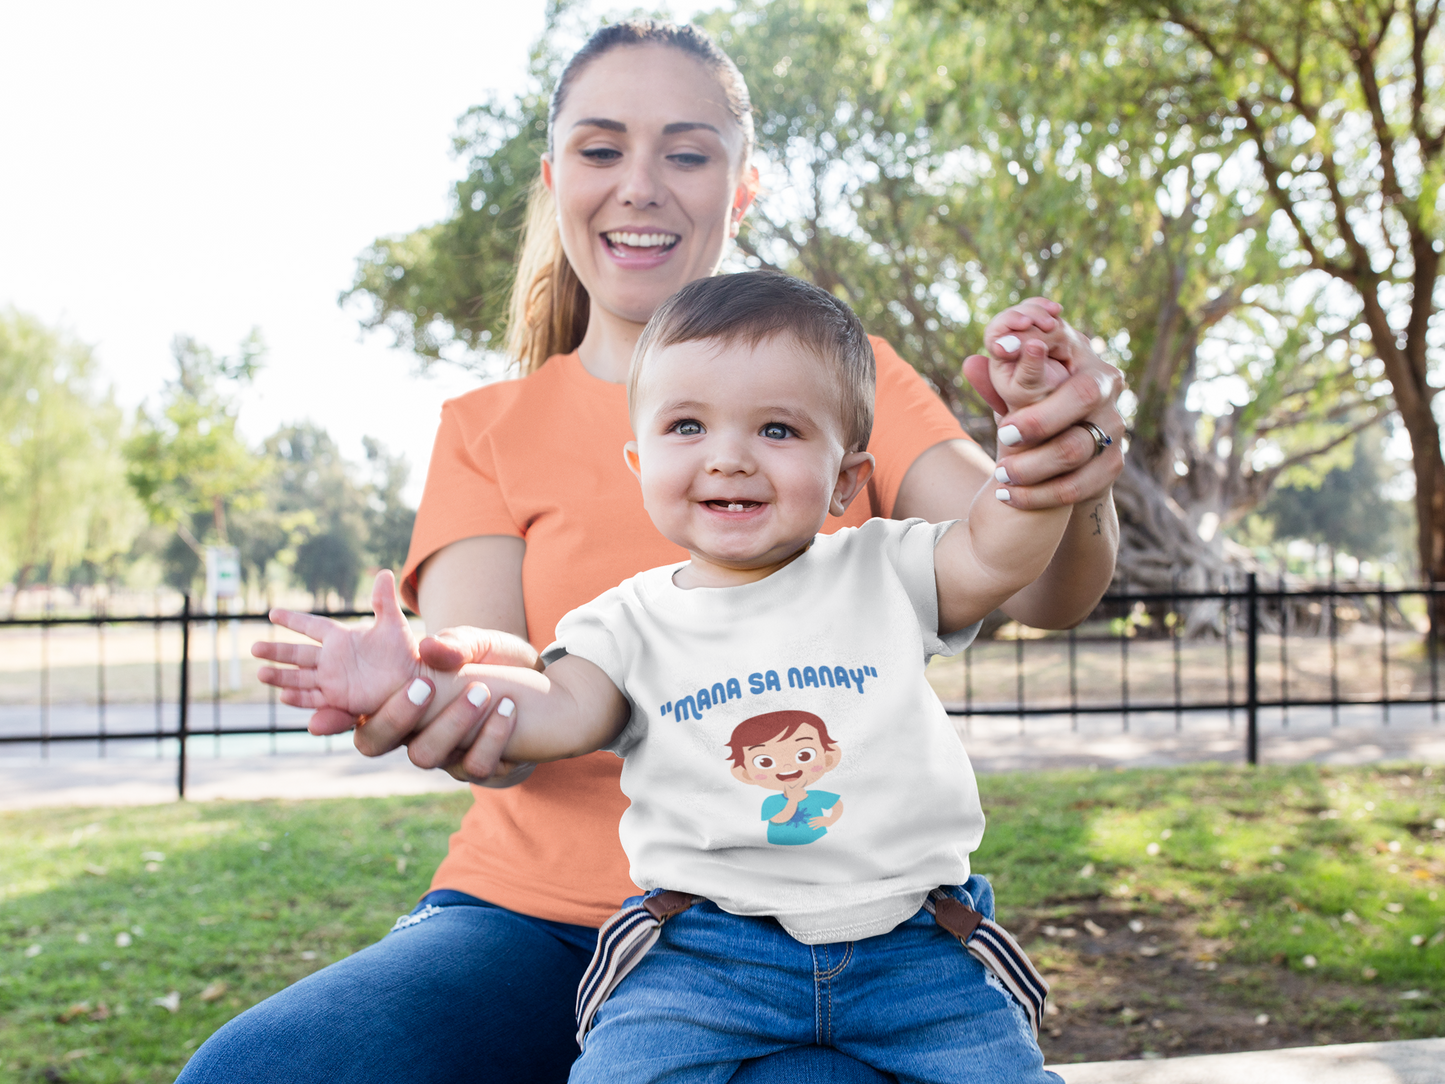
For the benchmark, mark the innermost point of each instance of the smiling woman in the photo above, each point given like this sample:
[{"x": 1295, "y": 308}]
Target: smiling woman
[{"x": 530, "y": 511}]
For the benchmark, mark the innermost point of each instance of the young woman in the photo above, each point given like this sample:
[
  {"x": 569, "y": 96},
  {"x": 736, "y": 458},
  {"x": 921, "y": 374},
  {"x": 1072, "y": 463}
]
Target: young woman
[{"x": 529, "y": 511}]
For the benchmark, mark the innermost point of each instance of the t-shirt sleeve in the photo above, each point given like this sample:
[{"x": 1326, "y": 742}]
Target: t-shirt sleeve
[
  {"x": 462, "y": 497},
  {"x": 908, "y": 419},
  {"x": 914, "y": 562},
  {"x": 587, "y": 633}
]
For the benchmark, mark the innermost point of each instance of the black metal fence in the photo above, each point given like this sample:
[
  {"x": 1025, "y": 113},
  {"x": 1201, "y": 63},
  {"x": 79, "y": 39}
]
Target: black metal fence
[{"x": 1238, "y": 650}]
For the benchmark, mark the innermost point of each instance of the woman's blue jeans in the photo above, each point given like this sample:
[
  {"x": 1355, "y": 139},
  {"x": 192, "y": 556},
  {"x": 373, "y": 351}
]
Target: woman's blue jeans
[{"x": 464, "y": 992}]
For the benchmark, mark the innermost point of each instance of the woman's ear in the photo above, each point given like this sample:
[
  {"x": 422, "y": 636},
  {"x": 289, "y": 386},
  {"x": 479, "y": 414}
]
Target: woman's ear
[
  {"x": 853, "y": 475},
  {"x": 743, "y": 196},
  {"x": 547, "y": 172}
]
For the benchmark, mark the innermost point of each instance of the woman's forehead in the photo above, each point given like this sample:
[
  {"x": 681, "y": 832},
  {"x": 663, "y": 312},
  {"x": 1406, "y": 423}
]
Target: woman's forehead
[{"x": 651, "y": 87}]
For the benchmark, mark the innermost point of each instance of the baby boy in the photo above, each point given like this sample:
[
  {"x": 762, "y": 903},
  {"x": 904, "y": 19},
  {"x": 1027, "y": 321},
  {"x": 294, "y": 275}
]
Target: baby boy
[{"x": 770, "y": 657}]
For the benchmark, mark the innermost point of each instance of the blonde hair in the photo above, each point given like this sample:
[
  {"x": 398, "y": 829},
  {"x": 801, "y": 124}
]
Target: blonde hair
[{"x": 549, "y": 307}]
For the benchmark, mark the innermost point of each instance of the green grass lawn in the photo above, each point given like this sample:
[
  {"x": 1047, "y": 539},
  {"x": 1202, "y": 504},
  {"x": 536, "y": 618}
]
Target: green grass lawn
[{"x": 127, "y": 936}]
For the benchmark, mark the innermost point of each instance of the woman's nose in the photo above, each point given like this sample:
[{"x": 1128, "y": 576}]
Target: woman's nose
[{"x": 641, "y": 185}]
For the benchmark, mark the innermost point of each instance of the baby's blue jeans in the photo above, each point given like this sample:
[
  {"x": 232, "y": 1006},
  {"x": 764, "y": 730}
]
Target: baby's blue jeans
[
  {"x": 718, "y": 989},
  {"x": 462, "y": 991}
]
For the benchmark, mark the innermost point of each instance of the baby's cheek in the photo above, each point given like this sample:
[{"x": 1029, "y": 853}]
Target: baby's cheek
[
  {"x": 760, "y": 778},
  {"x": 816, "y": 768}
]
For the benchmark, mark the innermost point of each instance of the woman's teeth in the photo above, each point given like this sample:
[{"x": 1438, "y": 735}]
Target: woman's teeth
[{"x": 642, "y": 240}]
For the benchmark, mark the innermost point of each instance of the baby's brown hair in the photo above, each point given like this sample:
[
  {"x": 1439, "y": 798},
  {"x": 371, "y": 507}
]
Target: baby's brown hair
[{"x": 757, "y": 305}]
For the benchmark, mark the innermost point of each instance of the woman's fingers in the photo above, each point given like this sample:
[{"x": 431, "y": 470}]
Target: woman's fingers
[
  {"x": 394, "y": 722},
  {"x": 453, "y": 730},
  {"x": 485, "y": 754},
  {"x": 1089, "y": 482},
  {"x": 1072, "y": 401}
]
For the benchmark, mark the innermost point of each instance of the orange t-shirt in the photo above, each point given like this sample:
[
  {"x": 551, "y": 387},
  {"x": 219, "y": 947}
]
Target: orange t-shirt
[{"x": 540, "y": 459}]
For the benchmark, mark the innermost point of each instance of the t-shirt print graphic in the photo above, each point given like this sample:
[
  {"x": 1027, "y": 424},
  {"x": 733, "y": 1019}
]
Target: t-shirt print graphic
[{"x": 788, "y": 752}]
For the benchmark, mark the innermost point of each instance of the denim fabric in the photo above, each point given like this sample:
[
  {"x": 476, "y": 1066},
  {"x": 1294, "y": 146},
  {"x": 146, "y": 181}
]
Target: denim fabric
[
  {"x": 471, "y": 992},
  {"x": 717, "y": 988}
]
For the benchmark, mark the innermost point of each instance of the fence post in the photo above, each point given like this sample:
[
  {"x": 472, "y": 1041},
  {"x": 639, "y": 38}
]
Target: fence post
[
  {"x": 185, "y": 695},
  {"x": 1251, "y": 673}
]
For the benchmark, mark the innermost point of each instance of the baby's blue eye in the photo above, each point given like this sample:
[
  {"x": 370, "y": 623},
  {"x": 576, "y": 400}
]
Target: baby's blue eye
[
  {"x": 687, "y": 428},
  {"x": 776, "y": 431}
]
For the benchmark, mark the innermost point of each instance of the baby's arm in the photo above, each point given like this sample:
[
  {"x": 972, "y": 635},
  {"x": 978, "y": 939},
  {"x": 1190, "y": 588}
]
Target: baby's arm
[
  {"x": 999, "y": 550},
  {"x": 571, "y": 709}
]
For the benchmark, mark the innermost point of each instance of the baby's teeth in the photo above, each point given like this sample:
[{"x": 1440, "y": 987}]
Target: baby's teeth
[{"x": 735, "y": 508}]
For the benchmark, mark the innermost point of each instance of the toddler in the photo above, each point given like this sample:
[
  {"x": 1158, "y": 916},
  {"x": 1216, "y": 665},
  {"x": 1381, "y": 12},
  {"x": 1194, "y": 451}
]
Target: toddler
[{"x": 802, "y": 810}]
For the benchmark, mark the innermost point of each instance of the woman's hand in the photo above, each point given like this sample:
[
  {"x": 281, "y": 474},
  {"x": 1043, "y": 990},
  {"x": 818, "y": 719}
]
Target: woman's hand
[
  {"x": 1045, "y": 457},
  {"x": 460, "y": 726}
]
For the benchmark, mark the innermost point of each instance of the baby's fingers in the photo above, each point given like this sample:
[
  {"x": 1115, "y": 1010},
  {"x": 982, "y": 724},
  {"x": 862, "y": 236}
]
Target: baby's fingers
[
  {"x": 306, "y": 624},
  {"x": 310, "y": 699},
  {"x": 280, "y": 651},
  {"x": 287, "y": 679}
]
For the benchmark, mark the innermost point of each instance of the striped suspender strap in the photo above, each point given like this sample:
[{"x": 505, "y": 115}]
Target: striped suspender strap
[
  {"x": 622, "y": 942},
  {"x": 992, "y": 946}
]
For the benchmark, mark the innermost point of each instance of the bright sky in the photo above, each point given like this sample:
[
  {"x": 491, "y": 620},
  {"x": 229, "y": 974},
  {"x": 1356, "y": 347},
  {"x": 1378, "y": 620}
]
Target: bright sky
[{"x": 204, "y": 168}]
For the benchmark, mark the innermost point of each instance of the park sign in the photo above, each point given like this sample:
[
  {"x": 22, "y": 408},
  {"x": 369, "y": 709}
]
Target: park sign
[{"x": 223, "y": 572}]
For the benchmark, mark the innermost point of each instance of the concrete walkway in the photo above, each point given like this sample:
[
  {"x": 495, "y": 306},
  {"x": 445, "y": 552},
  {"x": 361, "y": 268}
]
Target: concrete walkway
[{"x": 1418, "y": 1061}]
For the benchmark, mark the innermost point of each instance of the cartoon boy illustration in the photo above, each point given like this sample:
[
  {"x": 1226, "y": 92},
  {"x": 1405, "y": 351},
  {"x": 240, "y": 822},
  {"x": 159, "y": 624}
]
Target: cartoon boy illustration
[{"x": 789, "y": 751}]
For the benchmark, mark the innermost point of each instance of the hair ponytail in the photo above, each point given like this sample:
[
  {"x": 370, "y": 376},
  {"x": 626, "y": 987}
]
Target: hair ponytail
[{"x": 548, "y": 311}]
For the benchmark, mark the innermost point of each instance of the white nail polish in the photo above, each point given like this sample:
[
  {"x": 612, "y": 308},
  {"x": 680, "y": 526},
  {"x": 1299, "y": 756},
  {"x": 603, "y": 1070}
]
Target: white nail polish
[
  {"x": 1106, "y": 384},
  {"x": 506, "y": 707},
  {"x": 1002, "y": 494},
  {"x": 1009, "y": 435},
  {"x": 1008, "y": 343},
  {"x": 418, "y": 692},
  {"x": 478, "y": 695},
  {"x": 1001, "y": 475}
]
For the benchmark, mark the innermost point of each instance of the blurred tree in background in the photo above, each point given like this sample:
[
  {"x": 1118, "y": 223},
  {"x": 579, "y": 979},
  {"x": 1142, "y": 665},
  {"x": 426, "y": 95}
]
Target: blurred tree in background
[
  {"x": 187, "y": 460},
  {"x": 64, "y": 503}
]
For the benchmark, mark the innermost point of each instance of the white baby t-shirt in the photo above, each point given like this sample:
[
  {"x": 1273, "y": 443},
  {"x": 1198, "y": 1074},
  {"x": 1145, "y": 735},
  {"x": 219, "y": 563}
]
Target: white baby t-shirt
[{"x": 853, "y": 797}]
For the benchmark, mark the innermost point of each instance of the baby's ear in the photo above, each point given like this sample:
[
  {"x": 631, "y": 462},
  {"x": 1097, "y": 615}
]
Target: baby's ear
[
  {"x": 740, "y": 773},
  {"x": 853, "y": 475},
  {"x": 633, "y": 459},
  {"x": 832, "y": 757}
]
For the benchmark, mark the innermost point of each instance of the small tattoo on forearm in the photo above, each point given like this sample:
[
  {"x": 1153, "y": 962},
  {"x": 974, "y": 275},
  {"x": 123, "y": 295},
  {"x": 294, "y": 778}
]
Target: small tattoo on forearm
[{"x": 1098, "y": 519}]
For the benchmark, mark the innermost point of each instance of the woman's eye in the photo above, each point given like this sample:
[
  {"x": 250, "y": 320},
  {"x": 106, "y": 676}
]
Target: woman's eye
[
  {"x": 688, "y": 159},
  {"x": 601, "y": 154},
  {"x": 687, "y": 428},
  {"x": 763, "y": 762},
  {"x": 776, "y": 431},
  {"x": 804, "y": 756}
]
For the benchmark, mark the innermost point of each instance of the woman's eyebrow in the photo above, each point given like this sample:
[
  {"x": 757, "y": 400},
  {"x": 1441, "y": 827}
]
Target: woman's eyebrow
[
  {"x": 688, "y": 126},
  {"x": 668, "y": 129}
]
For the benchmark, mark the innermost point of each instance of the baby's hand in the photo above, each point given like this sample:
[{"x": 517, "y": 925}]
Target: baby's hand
[
  {"x": 354, "y": 670},
  {"x": 1028, "y": 374}
]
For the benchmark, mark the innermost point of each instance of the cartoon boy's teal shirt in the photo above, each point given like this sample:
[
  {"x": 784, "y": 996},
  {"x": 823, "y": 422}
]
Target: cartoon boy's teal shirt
[{"x": 795, "y": 829}]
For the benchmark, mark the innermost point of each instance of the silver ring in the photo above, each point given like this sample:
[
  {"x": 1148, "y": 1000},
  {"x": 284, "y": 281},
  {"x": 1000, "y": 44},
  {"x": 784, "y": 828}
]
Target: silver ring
[{"x": 1102, "y": 439}]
